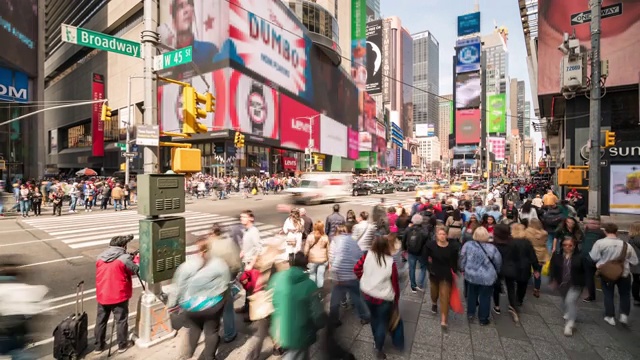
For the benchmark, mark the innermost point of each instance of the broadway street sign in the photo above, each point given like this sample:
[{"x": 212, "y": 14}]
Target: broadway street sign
[
  {"x": 605, "y": 12},
  {"x": 96, "y": 40}
]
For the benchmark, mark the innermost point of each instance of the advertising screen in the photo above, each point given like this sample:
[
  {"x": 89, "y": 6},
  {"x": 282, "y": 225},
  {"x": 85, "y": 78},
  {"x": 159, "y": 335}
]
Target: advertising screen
[
  {"x": 422, "y": 130},
  {"x": 365, "y": 141},
  {"x": 468, "y": 90},
  {"x": 431, "y": 130},
  {"x": 354, "y": 145},
  {"x": 359, "y": 43},
  {"x": 367, "y": 119},
  {"x": 380, "y": 147},
  {"x": 97, "y": 125},
  {"x": 468, "y": 24},
  {"x": 496, "y": 116},
  {"x": 253, "y": 106},
  {"x": 170, "y": 102},
  {"x": 619, "y": 43},
  {"x": 497, "y": 146},
  {"x": 374, "y": 57},
  {"x": 18, "y": 31},
  {"x": 624, "y": 192},
  {"x": 468, "y": 55},
  {"x": 14, "y": 86},
  {"x": 202, "y": 24},
  {"x": 392, "y": 157},
  {"x": 297, "y": 123},
  {"x": 467, "y": 126},
  {"x": 381, "y": 131},
  {"x": 333, "y": 137}
]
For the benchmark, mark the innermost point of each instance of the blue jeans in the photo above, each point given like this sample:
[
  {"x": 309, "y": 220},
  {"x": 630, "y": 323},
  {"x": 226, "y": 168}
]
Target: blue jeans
[
  {"x": 413, "y": 259},
  {"x": 316, "y": 273},
  {"x": 479, "y": 294},
  {"x": 229, "y": 320},
  {"x": 624, "y": 292},
  {"x": 117, "y": 204},
  {"x": 73, "y": 203},
  {"x": 550, "y": 237},
  {"x": 24, "y": 207},
  {"x": 351, "y": 287},
  {"x": 380, "y": 314}
]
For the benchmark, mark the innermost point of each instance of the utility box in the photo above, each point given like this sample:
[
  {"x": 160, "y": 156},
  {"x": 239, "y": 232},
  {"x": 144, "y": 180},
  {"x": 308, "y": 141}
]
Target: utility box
[
  {"x": 162, "y": 247},
  {"x": 186, "y": 160},
  {"x": 160, "y": 194}
]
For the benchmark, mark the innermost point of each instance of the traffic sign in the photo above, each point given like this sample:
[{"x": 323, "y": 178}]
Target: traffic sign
[
  {"x": 96, "y": 40},
  {"x": 173, "y": 58},
  {"x": 122, "y": 146},
  {"x": 605, "y": 12},
  {"x": 130, "y": 154}
]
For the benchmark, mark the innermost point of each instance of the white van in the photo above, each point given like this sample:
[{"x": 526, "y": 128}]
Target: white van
[{"x": 319, "y": 187}]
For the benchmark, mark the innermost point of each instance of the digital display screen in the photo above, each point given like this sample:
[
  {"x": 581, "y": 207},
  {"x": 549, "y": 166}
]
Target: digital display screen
[{"x": 18, "y": 31}]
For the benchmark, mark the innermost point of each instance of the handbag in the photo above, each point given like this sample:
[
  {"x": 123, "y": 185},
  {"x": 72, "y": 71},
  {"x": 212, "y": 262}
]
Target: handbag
[
  {"x": 261, "y": 305},
  {"x": 394, "y": 318},
  {"x": 612, "y": 270},
  {"x": 545, "y": 268},
  {"x": 455, "y": 301}
]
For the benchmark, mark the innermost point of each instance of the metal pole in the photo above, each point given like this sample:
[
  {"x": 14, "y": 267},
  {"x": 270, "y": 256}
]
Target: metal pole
[
  {"x": 594, "y": 113},
  {"x": 483, "y": 111},
  {"x": 488, "y": 168},
  {"x": 149, "y": 41}
]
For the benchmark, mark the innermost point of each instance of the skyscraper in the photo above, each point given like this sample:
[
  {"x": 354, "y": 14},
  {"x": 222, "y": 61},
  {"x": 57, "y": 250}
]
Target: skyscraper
[
  {"x": 426, "y": 75},
  {"x": 445, "y": 107},
  {"x": 527, "y": 119},
  {"x": 495, "y": 48},
  {"x": 373, "y": 10}
]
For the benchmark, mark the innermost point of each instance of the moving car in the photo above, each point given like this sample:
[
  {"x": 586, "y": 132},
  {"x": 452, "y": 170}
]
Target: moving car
[
  {"x": 384, "y": 188},
  {"x": 361, "y": 189},
  {"x": 316, "y": 188},
  {"x": 406, "y": 186},
  {"x": 459, "y": 186},
  {"x": 428, "y": 191}
]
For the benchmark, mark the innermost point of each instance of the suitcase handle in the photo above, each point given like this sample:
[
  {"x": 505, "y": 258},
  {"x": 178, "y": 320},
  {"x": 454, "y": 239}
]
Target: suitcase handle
[{"x": 80, "y": 297}]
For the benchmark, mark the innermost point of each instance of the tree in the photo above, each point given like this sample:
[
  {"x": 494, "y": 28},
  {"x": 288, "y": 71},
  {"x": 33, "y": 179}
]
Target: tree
[{"x": 436, "y": 165}]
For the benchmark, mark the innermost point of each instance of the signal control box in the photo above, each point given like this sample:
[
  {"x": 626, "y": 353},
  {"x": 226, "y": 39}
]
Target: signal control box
[
  {"x": 162, "y": 248},
  {"x": 160, "y": 194}
]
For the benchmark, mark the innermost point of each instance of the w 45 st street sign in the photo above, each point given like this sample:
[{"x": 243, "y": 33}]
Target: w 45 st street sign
[{"x": 96, "y": 40}]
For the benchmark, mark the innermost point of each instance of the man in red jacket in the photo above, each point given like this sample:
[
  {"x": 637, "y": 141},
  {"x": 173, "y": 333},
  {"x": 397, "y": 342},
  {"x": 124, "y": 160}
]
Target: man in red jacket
[{"x": 114, "y": 287}]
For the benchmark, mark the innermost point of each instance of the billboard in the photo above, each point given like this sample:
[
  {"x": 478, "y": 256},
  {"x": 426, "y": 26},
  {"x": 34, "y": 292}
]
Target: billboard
[
  {"x": 354, "y": 146},
  {"x": 422, "y": 130},
  {"x": 365, "y": 141},
  {"x": 97, "y": 125},
  {"x": 392, "y": 157},
  {"x": 497, "y": 145},
  {"x": 468, "y": 24},
  {"x": 298, "y": 124},
  {"x": 468, "y": 55},
  {"x": 467, "y": 126},
  {"x": 624, "y": 184},
  {"x": 289, "y": 163},
  {"x": 366, "y": 159},
  {"x": 468, "y": 90},
  {"x": 381, "y": 130},
  {"x": 333, "y": 137},
  {"x": 253, "y": 106},
  {"x": 374, "y": 57},
  {"x": 496, "y": 114},
  {"x": 203, "y": 24},
  {"x": 619, "y": 43},
  {"x": 359, "y": 43},
  {"x": 367, "y": 118},
  {"x": 170, "y": 102},
  {"x": 14, "y": 86},
  {"x": 19, "y": 33},
  {"x": 379, "y": 147},
  {"x": 431, "y": 130}
]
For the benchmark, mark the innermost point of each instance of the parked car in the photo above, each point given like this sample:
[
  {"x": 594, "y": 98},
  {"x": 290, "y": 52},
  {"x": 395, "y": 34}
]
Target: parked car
[
  {"x": 361, "y": 189},
  {"x": 384, "y": 188},
  {"x": 406, "y": 186}
]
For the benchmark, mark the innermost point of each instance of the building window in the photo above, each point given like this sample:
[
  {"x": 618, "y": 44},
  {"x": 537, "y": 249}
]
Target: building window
[
  {"x": 111, "y": 128},
  {"x": 77, "y": 136}
]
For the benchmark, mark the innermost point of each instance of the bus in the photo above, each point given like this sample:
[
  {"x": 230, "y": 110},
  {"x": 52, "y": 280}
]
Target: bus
[{"x": 470, "y": 177}]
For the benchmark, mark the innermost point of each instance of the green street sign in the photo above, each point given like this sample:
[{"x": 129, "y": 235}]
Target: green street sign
[
  {"x": 96, "y": 40},
  {"x": 173, "y": 58},
  {"x": 122, "y": 146}
]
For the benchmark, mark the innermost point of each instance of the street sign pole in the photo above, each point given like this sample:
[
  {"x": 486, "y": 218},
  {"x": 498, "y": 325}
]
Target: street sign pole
[{"x": 594, "y": 113}]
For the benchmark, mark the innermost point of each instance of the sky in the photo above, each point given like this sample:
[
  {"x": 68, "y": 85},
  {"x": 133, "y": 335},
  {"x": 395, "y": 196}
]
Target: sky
[{"x": 440, "y": 17}]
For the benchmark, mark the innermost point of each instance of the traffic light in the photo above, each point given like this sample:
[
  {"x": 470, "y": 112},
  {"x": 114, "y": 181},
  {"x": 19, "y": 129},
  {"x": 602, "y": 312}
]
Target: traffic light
[
  {"x": 236, "y": 141},
  {"x": 240, "y": 141},
  {"x": 106, "y": 113},
  {"x": 609, "y": 138},
  {"x": 191, "y": 112},
  {"x": 210, "y": 105}
]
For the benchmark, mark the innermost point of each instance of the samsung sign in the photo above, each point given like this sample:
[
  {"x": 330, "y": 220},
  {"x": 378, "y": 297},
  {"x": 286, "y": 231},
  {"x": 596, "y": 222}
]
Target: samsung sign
[{"x": 14, "y": 86}]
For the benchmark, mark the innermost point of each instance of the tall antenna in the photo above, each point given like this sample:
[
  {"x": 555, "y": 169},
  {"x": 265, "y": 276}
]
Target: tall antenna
[{"x": 476, "y": 6}]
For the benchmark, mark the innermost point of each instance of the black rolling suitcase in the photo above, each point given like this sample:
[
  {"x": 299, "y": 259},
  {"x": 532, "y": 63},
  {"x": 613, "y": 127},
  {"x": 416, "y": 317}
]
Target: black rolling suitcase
[{"x": 71, "y": 335}]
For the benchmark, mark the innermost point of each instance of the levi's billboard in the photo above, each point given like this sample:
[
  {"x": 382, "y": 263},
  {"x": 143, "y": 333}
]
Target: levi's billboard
[
  {"x": 289, "y": 163},
  {"x": 619, "y": 43},
  {"x": 298, "y": 123}
]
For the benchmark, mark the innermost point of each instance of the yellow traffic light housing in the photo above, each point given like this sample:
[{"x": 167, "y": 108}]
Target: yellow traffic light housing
[
  {"x": 106, "y": 113},
  {"x": 236, "y": 140},
  {"x": 609, "y": 139},
  {"x": 191, "y": 112},
  {"x": 210, "y": 105}
]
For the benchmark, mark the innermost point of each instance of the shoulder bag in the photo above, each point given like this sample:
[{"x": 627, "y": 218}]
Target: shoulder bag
[
  {"x": 612, "y": 270},
  {"x": 490, "y": 259}
]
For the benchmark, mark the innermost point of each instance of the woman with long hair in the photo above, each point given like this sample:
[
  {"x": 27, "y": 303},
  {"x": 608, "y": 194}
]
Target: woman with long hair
[
  {"x": 351, "y": 216},
  {"x": 527, "y": 211},
  {"x": 569, "y": 227},
  {"x": 380, "y": 288},
  {"x": 392, "y": 217},
  {"x": 292, "y": 229},
  {"x": 567, "y": 275},
  {"x": 402, "y": 223},
  {"x": 442, "y": 257},
  {"x": 316, "y": 248},
  {"x": 454, "y": 225},
  {"x": 537, "y": 236},
  {"x": 516, "y": 268},
  {"x": 469, "y": 228}
]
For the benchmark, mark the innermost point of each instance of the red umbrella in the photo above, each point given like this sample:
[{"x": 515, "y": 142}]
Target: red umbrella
[{"x": 86, "y": 172}]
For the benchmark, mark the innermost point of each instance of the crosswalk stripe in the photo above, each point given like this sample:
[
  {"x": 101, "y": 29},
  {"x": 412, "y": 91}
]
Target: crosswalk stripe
[{"x": 80, "y": 232}]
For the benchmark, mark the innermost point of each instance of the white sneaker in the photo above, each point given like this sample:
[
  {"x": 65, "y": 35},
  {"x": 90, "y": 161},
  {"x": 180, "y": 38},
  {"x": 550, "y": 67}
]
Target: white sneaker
[
  {"x": 70, "y": 211},
  {"x": 624, "y": 319},
  {"x": 565, "y": 316},
  {"x": 610, "y": 320},
  {"x": 568, "y": 328}
]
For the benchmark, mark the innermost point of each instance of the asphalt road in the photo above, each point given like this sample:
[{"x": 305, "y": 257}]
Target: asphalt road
[{"x": 59, "y": 252}]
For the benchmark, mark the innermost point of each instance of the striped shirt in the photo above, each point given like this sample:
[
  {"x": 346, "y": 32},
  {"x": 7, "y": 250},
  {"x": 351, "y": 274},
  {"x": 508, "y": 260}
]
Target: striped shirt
[{"x": 344, "y": 253}]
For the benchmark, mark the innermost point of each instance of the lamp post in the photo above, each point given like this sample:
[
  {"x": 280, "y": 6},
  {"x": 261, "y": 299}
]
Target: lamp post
[{"x": 310, "y": 145}]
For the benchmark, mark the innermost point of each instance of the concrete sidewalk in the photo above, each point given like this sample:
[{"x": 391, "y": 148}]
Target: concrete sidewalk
[{"x": 539, "y": 335}]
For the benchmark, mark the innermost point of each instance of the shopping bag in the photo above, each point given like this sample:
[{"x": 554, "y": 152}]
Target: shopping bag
[
  {"x": 254, "y": 191},
  {"x": 397, "y": 336},
  {"x": 455, "y": 302},
  {"x": 545, "y": 268}
]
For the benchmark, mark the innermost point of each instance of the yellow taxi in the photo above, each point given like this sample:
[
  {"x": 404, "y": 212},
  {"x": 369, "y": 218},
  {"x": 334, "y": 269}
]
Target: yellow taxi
[
  {"x": 429, "y": 190},
  {"x": 459, "y": 186}
]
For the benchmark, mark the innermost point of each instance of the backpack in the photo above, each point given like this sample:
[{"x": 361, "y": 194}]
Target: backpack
[
  {"x": 552, "y": 221},
  {"x": 414, "y": 240},
  {"x": 612, "y": 270}
]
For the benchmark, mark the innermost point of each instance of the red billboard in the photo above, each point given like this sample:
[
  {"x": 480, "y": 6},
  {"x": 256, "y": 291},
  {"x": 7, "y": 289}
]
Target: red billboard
[
  {"x": 353, "y": 149},
  {"x": 298, "y": 124},
  {"x": 619, "y": 43},
  {"x": 289, "y": 163},
  {"x": 97, "y": 126},
  {"x": 467, "y": 126},
  {"x": 367, "y": 119}
]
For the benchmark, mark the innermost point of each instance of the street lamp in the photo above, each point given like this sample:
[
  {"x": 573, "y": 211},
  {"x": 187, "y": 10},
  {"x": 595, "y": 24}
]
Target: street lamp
[{"x": 310, "y": 145}]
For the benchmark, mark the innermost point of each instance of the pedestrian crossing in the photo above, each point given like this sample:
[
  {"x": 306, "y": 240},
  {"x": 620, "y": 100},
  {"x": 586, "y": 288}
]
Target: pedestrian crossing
[
  {"x": 96, "y": 230},
  {"x": 406, "y": 201}
]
